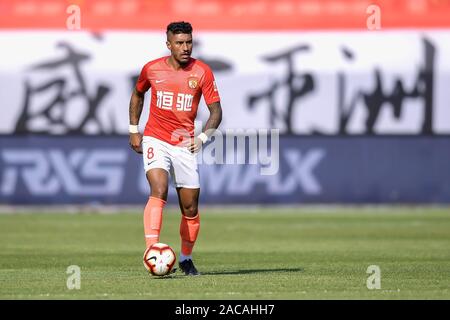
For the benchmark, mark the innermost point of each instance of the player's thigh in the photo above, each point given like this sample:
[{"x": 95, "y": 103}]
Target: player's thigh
[
  {"x": 158, "y": 180},
  {"x": 157, "y": 165},
  {"x": 188, "y": 201},
  {"x": 184, "y": 171}
]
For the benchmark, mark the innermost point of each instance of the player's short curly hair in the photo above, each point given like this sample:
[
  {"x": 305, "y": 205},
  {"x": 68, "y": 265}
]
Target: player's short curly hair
[{"x": 179, "y": 27}]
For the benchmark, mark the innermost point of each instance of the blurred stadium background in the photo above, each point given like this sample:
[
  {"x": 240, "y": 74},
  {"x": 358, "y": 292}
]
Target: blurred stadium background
[
  {"x": 359, "y": 91},
  {"x": 361, "y": 103}
]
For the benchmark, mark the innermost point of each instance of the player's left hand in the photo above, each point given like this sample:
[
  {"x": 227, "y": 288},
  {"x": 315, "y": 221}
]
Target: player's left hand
[
  {"x": 196, "y": 145},
  {"x": 136, "y": 142}
]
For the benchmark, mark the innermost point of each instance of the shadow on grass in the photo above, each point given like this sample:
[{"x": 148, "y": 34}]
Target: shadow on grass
[
  {"x": 251, "y": 271},
  {"x": 178, "y": 274}
]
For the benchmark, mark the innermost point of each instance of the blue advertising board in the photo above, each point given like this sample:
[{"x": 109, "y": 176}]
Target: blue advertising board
[{"x": 303, "y": 169}]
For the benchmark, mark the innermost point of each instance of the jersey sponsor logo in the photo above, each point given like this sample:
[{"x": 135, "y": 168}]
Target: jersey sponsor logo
[
  {"x": 184, "y": 102},
  {"x": 215, "y": 86},
  {"x": 165, "y": 100},
  {"x": 159, "y": 81}
]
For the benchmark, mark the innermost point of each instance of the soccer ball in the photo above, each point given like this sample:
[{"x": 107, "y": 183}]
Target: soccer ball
[{"x": 159, "y": 259}]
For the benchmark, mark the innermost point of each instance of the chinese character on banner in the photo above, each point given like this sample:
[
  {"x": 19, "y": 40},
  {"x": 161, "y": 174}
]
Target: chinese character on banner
[
  {"x": 47, "y": 104},
  {"x": 295, "y": 92}
]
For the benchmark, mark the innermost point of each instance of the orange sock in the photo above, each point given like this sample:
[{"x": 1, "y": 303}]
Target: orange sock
[
  {"x": 153, "y": 220},
  {"x": 189, "y": 228}
]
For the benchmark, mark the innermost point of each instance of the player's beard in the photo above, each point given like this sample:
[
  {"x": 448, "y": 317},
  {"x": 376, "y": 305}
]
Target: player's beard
[{"x": 184, "y": 59}]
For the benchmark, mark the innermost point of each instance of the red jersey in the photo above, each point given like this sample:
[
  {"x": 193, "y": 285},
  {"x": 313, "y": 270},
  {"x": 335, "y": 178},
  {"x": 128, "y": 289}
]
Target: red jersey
[{"x": 175, "y": 97}]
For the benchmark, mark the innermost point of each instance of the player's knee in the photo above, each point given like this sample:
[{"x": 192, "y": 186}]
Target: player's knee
[
  {"x": 159, "y": 192},
  {"x": 190, "y": 210}
]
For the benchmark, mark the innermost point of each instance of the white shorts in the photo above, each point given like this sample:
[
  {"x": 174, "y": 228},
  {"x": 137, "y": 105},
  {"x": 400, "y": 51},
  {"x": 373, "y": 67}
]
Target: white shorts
[{"x": 178, "y": 161}]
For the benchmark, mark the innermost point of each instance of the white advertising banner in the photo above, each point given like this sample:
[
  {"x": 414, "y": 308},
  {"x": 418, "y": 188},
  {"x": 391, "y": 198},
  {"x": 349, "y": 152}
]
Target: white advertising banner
[{"x": 327, "y": 83}]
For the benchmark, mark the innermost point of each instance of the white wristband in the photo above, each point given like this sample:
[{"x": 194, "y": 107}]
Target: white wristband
[
  {"x": 202, "y": 136},
  {"x": 133, "y": 129}
]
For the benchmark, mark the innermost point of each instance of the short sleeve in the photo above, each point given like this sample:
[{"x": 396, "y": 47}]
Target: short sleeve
[
  {"x": 209, "y": 87},
  {"x": 143, "y": 83}
]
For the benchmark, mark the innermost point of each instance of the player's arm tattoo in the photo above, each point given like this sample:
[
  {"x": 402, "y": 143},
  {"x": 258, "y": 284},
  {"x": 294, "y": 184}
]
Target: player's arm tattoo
[
  {"x": 215, "y": 117},
  {"x": 136, "y": 104}
]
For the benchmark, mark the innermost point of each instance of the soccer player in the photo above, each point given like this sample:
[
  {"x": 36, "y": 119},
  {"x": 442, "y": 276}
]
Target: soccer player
[{"x": 168, "y": 144}]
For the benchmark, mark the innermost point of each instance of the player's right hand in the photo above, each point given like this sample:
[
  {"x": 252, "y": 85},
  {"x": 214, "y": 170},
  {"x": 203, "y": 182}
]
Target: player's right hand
[{"x": 136, "y": 142}]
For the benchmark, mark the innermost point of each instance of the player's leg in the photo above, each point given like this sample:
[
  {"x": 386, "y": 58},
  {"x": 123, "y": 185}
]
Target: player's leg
[
  {"x": 158, "y": 180},
  {"x": 189, "y": 227},
  {"x": 187, "y": 182},
  {"x": 190, "y": 220},
  {"x": 156, "y": 165}
]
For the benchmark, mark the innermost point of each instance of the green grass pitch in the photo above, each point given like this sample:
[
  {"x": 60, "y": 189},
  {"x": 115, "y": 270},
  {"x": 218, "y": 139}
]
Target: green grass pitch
[{"x": 304, "y": 253}]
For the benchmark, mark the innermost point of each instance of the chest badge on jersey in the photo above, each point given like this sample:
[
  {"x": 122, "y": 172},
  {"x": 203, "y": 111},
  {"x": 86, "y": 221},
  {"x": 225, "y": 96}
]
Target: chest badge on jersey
[{"x": 193, "y": 82}]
